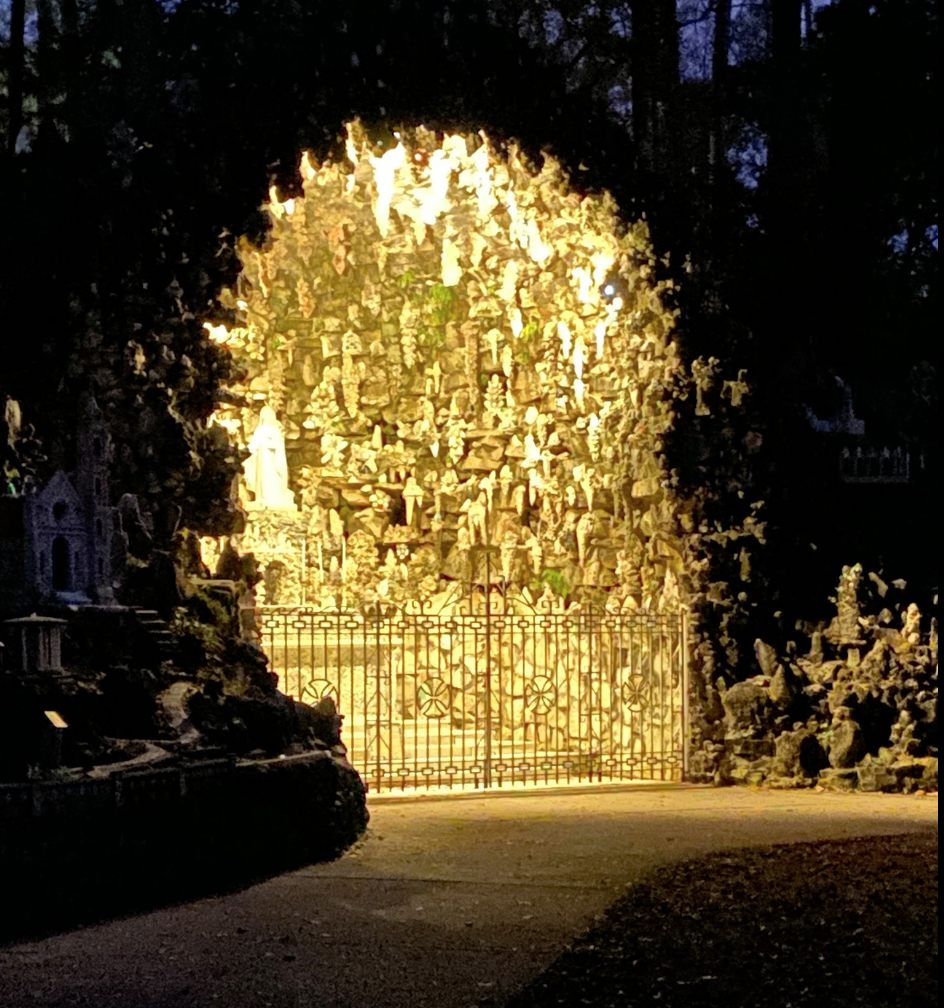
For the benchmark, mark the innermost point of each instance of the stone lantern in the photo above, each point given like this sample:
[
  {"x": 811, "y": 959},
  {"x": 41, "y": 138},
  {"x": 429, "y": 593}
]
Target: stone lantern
[{"x": 34, "y": 644}]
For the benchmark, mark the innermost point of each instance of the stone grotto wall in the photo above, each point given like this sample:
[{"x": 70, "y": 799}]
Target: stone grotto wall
[
  {"x": 858, "y": 711},
  {"x": 473, "y": 372}
]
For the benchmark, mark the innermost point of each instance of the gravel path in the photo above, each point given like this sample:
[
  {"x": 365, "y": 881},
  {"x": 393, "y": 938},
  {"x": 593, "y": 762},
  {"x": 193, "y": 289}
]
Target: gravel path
[{"x": 838, "y": 923}]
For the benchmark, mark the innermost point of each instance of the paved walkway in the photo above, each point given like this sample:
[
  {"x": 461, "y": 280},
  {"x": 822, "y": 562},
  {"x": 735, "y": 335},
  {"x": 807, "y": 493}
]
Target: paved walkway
[{"x": 449, "y": 903}]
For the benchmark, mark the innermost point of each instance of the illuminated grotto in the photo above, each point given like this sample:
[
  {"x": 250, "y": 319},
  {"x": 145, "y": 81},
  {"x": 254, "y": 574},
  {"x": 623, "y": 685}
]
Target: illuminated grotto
[{"x": 458, "y": 373}]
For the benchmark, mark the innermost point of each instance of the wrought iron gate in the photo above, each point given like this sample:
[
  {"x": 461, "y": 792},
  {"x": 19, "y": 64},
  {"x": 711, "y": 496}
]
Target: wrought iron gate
[{"x": 491, "y": 700}]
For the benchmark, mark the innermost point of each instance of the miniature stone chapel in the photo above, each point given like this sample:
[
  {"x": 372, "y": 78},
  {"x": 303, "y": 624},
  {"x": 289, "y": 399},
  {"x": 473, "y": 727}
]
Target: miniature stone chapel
[{"x": 60, "y": 538}]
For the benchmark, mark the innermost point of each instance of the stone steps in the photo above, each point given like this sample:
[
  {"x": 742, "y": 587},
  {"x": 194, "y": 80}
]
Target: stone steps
[{"x": 158, "y": 632}]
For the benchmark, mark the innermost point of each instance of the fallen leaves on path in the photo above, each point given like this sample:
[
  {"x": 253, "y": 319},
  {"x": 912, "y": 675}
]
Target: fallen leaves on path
[{"x": 841, "y": 923}]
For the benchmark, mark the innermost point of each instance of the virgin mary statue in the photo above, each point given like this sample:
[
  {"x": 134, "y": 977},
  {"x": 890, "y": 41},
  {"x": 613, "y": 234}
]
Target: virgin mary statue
[{"x": 266, "y": 468}]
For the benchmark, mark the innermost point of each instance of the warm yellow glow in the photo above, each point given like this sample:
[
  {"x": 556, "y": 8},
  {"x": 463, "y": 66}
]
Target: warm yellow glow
[
  {"x": 385, "y": 177},
  {"x": 217, "y": 333},
  {"x": 563, "y": 331},
  {"x": 443, "y": 336},
  {"x": 307, "y": 168}
]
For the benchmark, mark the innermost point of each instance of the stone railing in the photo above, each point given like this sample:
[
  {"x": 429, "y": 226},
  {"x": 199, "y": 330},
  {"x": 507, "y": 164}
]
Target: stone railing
[{"x": 87, "y": 797}]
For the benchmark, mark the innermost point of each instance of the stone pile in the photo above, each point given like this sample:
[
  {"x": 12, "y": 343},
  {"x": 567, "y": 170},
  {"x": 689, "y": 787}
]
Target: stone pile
[{"x": 859, "y": 710}]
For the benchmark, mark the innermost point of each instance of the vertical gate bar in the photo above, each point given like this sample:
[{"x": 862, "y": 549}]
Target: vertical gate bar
[
  {"x": 532, "y": 716},
  {"x": 660, "y": 685},
  {"x": 417, "y": 768},
  {"x": 606, "y": 651},
  {"x": 387, "y": 661},
  {"x": 572, "y": 679},
  {"x": 668, "y": 695},
  {"x": 666, "y": 677},
  {"x": 497, "y": 747},
  {"x": 684, "y": 734},
  {"x": 565, "y": 662},
  {"x": 377, "y": 728},
  {"x": 617, "y": 696},
  {"x": 305, "y": 663},
  {"x": 308, "y": 619},
  {"x": 588, "y": 700},
  {"x": 593, "y": 659},
  {"x": 653, "y": 648},
  {"x": 470, "y": 676},
  {"x": 378, "y": 658},
  {"x": 293, "y": 637},
  {"x": 398, "y": 667},
  {"x": 512, "y": 676},
  {"x": 617, "y": 713},
  {"x": 447, "y": 676},
  {"x": 627, "y": 723},
  {"x": 299, "y": 652},
  {"x": 386, "y": 664},
  {"x": 647, "y": 741},
  {"x": 447, "y": 720},
  {"x": 519, "y": 706},
  {"x": 647, "y": 663},
  {"x": 488, "y": 675}
]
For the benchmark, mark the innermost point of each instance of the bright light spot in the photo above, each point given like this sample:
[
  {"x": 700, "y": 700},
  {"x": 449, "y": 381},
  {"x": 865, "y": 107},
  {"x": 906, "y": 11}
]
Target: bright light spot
[
  {"x": 609, "y": 290},
  {"x": 217, "y": 333},
  {"x": 599, "y": 332},
  {"x": 563, "y": 332},
  {"x": 385, "y": 170}
]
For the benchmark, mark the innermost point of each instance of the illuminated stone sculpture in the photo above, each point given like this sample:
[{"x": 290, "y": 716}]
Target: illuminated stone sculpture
[
  {"x": 266, "y": 468},
  {"x": 473, "y": 367}
]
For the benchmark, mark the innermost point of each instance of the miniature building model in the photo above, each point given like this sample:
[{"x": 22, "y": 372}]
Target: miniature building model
[{"x": 65, "y": 529}]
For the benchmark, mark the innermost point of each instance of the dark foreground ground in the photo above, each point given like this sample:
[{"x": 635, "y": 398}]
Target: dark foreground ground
[
  {"x": 467, "y": 902},
  {"x": 841, "y": 922}
]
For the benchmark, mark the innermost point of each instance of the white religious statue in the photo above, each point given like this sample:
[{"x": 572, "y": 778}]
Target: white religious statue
[{"x": 266, "y": 468}]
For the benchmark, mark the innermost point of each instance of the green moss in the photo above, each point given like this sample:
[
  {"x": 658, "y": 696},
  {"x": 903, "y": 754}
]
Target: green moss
[
  {"x": 531, "y": 331},
  {"x": 432, "y": 339},
  {"x": 442, "y": 300},
  {"x": 553, "y": 577},
  {"x": 406, "y": 278}
]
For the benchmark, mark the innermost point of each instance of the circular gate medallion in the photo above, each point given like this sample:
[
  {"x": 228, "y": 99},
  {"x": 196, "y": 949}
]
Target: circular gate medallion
[
  {"x": 432, "y": 697},
  {"x": 633, "y": 692},
  {"x": 318, "y": 689},
  {"x": 540, "y": 694}
]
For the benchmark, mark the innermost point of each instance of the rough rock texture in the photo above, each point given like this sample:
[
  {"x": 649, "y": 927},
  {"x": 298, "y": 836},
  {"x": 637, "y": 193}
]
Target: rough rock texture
[
  {"x": 858, "y": 711},
  {"x": 461, "y": 352}
]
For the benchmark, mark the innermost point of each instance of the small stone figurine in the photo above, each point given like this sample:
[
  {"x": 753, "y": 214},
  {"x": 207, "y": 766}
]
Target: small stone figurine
[{"x": 412, "y": 497}]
